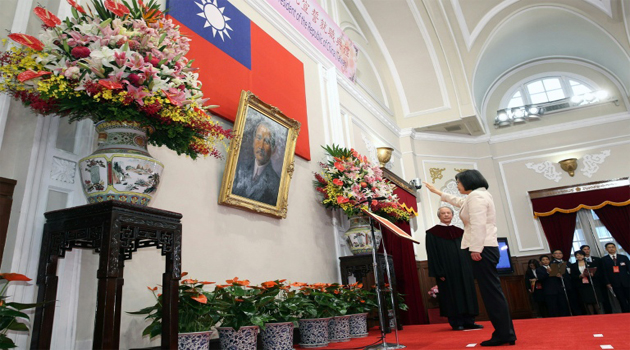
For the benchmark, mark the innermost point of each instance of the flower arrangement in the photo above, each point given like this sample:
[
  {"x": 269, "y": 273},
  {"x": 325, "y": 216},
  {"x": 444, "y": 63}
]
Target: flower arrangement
[
  {"x": 10, "y": 313},
  {"x": 194, "y": 309},
  {"x": 360, "y": 300},
  {"x": 323, "y": 300},
  {"x": 238, "y": 304},
  {"x": 286, "y": 306},
  {"x": 114, "y": 61},
  {"x": 349, "y": 180},
  {"x": 433, "y": 292}
]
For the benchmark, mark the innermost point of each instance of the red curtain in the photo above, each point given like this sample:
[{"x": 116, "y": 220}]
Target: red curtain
[
  {"x": 559, "y": 229},
  {"x": 407, "y": 281},
  {"x": 617, "y": 221},
  {"x": 557, "y": 214}
]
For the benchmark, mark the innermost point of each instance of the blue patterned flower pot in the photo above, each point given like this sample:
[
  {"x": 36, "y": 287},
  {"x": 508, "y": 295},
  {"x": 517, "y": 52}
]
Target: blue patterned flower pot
[
  {"x": 358, "y": 325},
  {"x": 194, "y": 340},
  {"x": 339, "y": 329},
  {"x": 277, "y": 336},
  {"x": 243, "y": 339},
  {"x": 314, "y": 332}
]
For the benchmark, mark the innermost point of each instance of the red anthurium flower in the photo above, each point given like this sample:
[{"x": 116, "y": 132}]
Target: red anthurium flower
[
  {"x": 189, "y": 281},
  {"x": 116, "y": 7},
  {"x": 49, "y": 19},
  {"x": 269, "y": 284},
  {"x": 206, "y": 282},
  {"x": 342, "y": 199},
  {"x": 152, "y": 289},
  {"x": 112, "y": 85},
  {"x": 337, "y": 182},
  {"x": 29, "y": 74},
  {"x": 339, "y": 166},
  {"x": 13, "y": 277},
  {"x": 200, "y": 298},
  {"x": 76, "y": 6},
  {"x": 27, "y": 40},
  {"x": 184, "y": 274}
]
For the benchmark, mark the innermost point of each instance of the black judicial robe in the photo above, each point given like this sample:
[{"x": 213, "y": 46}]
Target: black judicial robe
[{"x": 446, "y": 259}]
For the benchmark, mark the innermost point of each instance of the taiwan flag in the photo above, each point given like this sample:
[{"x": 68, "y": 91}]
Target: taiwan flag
[{"x": 234, "y": 54}]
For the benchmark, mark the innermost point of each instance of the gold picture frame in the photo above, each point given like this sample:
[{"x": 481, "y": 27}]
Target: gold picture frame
[{"x": 259, "y": 165}]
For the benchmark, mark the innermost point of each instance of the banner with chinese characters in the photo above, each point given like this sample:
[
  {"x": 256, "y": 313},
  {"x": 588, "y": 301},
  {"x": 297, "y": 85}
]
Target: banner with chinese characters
[{"x": 315, "y": 24}]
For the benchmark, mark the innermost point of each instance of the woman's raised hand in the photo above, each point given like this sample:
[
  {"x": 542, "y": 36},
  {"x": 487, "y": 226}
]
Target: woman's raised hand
[{"x": 431, "y": 188}]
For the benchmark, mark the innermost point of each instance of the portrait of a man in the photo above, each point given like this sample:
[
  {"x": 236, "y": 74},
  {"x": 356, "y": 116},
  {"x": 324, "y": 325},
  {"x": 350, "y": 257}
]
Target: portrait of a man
[
  {"x": 259, "y": 165},
  {"x": 260, "y": 160}
]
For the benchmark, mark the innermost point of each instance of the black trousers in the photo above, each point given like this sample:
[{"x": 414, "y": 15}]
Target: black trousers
[
  {"x": 461, "y": 320},
  {"x": 485, "y": 271}
]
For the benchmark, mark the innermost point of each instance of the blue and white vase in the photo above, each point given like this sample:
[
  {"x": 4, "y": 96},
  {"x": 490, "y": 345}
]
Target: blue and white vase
[
  {"x": 121, "y": 168},
  {"x": 358, "y": 325},
  {"x": 277, "y": 336},
  {"x": 339, "y": 329},
  {"x": 194, "y": 340},
  {"x": 246, "y": 338},
  {"x": 314, "y": 332}
]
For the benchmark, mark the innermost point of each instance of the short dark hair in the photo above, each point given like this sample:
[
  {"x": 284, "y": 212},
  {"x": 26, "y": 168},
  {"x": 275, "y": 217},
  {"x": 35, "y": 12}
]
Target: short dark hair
[
  {"x": 557, "y": 250},
  {"x": 609, "y": 243},
  {"x": 579, "y": 252},
  {"x": 544, "y": 256},
  {"x": 533, "y": 261},
  {"x": 585, "y": 245},
  {"x": 471, "y": 179}
]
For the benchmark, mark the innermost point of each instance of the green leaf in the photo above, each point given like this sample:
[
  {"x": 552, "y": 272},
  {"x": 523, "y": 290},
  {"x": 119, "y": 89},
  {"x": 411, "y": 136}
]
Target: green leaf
[{"x": 17, "y": 326}]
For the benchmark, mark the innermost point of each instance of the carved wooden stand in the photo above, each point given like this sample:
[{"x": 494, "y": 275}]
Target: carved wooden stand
[
  {"x": 114, "y": 230},
  {"x": 361, "y": 266}
]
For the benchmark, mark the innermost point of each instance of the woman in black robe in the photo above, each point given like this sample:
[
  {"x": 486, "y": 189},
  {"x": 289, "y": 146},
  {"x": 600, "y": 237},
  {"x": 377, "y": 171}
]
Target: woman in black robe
[{"x": 452, "y": 269}]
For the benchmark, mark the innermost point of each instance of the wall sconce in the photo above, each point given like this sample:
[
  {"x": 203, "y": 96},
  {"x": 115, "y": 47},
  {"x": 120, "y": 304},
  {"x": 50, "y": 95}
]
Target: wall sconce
[
  {"x": 569, "y": 165},
  {"x": 384, "y": 154}
]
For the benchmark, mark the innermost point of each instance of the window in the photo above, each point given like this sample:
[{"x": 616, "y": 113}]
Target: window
[
  {"x": 546, "y": 89},
  {"x": 591, "y": 231}
]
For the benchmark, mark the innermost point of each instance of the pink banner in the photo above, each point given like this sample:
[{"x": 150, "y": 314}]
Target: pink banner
[{"x": 315, "y": 24}]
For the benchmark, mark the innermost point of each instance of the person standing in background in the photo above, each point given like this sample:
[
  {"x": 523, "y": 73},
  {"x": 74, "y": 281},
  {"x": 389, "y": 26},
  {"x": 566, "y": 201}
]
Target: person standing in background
[
  {"x": 534, "y": 286},
  {"x": 617, "y": 275},
  {"x": 452, "y": 269},
  {"x": 480, "y": 239},
  {"x": 597, "y": 262}
]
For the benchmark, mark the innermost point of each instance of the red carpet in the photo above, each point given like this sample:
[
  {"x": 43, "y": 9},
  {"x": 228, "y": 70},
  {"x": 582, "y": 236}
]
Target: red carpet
[{"x": 559, "y": 333}]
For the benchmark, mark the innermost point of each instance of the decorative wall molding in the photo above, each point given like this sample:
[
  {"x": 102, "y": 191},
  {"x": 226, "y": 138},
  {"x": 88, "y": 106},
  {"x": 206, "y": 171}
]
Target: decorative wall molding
[
  {"x": 63, "y": 170},
  {"x": 547, "y": 169},
  {"x": 371, "y": 149},
  {"x": 436, "y": 174},
  {"x": 591, "y": 162}
]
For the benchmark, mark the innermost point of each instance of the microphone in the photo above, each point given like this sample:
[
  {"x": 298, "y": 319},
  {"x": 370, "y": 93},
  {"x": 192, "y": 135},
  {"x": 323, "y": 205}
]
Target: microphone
[{"x": 370, "y": 199}]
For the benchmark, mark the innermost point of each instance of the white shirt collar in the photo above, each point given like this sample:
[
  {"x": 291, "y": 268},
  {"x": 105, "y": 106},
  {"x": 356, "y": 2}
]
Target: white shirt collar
[
  {"x": 443, "y": 224},
  {"x": 258, "y": 169}
]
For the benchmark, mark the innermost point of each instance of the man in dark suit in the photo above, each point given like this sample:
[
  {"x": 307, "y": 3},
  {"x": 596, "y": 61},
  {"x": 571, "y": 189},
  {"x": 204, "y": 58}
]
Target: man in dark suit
[
  {"x": 555, "y": 297},
  {"x": 597, "y": 262},
  {"x": 255, "y": 178},
  {"x": 574, "y": 303},
  {"x": 617, "y": 275}
]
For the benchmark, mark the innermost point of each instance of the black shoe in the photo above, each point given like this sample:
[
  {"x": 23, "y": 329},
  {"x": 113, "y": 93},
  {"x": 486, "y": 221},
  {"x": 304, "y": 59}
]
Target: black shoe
[
  {"x": 458, "y": 328},
  {"x": 473, "y": 326},
  {"x": 497, "y": 342}
]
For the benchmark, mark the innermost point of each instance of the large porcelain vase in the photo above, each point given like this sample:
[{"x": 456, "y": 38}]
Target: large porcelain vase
[
  {"x": 359, "y": 235},
  {"x": 121, "y": 168}
]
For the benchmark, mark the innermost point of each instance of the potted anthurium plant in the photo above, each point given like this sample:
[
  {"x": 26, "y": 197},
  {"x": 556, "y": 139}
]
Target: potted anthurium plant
[
  {"x": 121, "y": 64},
  {"x": 351, "y": 183},
  {"x": 196, "y": 318},
  {"x": 239, "y": 308},
  {"x": 361, "y": 301},
  {"x": 10, "y": 312}
]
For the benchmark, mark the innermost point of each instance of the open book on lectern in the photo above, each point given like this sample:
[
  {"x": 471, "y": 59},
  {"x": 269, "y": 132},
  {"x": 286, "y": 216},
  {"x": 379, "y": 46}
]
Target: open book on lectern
[{"x": 395, "y": 229}]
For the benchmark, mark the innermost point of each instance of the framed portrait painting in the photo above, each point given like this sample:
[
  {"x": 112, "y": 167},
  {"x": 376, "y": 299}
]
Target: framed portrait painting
[{"x": 259, "y": 164}]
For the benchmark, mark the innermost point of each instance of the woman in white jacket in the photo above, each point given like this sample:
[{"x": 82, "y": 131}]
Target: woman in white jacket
[{"x": 480, "y": 239}]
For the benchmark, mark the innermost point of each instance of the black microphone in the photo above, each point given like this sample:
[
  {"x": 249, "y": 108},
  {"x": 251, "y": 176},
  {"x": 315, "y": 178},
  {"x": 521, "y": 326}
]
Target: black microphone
[{"x": 369, "y": 199}]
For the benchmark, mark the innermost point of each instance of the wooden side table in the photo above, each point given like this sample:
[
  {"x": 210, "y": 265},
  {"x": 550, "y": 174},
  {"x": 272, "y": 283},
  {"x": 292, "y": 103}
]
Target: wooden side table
[
  {"x": 114, "y": 230},
  {"x": 361, "y": 266}
]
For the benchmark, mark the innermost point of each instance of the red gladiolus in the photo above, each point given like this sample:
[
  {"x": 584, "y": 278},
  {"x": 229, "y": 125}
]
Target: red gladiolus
[
  {"x": 27, "y": 40},
  {"x": 80, "y": 52},
  {"x": 337, "y": 182},
  {"x": 13, "y": 277},
  {"x": 116, "y": 7},
  {"x": 47, "y": 17},
  {"x": 29, "y": 74}
]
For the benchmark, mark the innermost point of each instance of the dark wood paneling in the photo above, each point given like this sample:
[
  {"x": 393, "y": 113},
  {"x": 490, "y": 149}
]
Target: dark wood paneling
[
  {"x": 6, "y": 200},
  {"x": 513, "y": 287}
]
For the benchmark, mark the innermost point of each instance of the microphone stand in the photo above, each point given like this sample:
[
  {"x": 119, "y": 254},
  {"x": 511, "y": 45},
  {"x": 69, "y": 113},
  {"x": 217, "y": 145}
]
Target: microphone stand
[
  {"x": 590, "y": 278},
  {"x": 379, "y": 296},
  {"x": 566, "y": 295}
]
